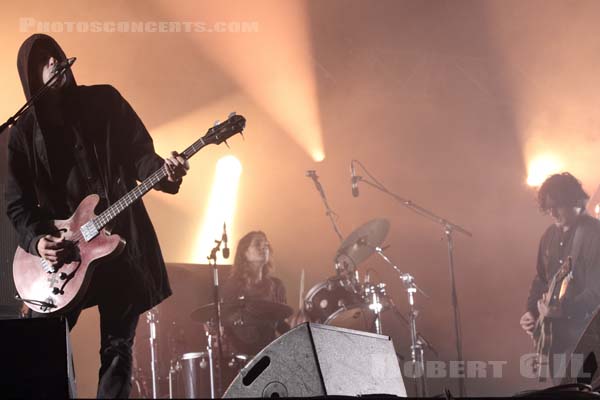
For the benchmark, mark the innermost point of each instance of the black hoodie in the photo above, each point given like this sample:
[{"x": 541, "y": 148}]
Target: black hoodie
[{"x": 99, "y": 145}]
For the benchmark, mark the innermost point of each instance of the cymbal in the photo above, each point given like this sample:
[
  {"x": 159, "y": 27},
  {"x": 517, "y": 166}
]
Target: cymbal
[
  {"x": 359, "y": 245},
  {"x": 241, "y": 308}
]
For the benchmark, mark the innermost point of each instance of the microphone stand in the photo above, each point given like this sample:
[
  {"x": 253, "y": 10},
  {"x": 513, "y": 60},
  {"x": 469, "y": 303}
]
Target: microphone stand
[
  {"x": 12, "y": 120},
  {"x": 212, "y": 260},
  {"x": 449, "y": 228},
  {"x": 328, "y": 211},
  {"x": 152, "y": 320}
]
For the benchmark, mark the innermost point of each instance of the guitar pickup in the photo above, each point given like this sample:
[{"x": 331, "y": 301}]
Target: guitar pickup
[{"x": 89, "y": 231}]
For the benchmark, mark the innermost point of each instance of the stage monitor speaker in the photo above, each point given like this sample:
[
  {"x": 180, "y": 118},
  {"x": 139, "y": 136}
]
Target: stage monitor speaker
[
  {"x": 583, "y": 367},
  {"x": 36, "y": 359},
  {"x": 319, "y": 360}
]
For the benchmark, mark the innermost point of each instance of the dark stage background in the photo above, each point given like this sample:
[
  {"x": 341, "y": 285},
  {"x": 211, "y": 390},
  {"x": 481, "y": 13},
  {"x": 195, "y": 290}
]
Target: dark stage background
[{"x": 445, "y": 102}]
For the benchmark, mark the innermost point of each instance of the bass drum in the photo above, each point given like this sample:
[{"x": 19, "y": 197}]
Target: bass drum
[{"x": 327, "y": 297}]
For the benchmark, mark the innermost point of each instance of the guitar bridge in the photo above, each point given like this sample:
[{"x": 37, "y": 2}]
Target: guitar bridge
[
  {"x": 89, "y": 231},
  {"x": 47, "y": 304}
]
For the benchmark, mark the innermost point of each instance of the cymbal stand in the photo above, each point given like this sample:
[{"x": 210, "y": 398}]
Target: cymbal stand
[
  {"x": 449, "y": 228},
  {"x": 416, "y": 347},
  {"x": 152, "y": 320}
]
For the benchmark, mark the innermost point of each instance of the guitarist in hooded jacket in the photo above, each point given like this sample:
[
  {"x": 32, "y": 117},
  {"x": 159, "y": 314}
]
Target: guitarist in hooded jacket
[
  {"x": 75, "y": 141},
  {"x": 573, "y": 240}
]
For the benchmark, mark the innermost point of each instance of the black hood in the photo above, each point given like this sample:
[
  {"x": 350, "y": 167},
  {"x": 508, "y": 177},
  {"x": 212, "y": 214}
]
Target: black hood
[{"x": 29, "y": 54}]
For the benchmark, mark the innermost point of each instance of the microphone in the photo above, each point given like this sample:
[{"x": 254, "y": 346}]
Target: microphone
[
  {"x": 224, "y": 239},
  {"x": 311, "y": 173},
  {"x": 354, "y": 179},
  {"x": 64, "y": 64}
]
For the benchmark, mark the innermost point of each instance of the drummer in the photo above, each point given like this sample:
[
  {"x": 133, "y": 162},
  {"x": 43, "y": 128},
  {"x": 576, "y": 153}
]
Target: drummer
[{"x": 251, "y": 278}]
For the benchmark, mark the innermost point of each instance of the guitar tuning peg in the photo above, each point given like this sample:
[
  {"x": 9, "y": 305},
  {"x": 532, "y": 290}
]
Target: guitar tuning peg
[
  {"x": 231, "y": 114},
  {"x": 216, "y": 123}
]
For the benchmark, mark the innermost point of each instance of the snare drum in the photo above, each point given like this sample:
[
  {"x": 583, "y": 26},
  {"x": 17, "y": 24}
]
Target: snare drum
[
  {"x": 325, "y": 298},
  {"x": 192, "y": 374}
]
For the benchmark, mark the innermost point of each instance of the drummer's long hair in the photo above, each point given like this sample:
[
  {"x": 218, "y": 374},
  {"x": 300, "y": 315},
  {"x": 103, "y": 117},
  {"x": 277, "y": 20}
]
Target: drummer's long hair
[{"x": 241, "y": 266}]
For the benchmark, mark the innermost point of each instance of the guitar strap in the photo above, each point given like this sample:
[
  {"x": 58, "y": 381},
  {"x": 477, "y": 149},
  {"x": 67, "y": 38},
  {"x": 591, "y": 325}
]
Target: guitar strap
[{"x": 577, "y": 242}]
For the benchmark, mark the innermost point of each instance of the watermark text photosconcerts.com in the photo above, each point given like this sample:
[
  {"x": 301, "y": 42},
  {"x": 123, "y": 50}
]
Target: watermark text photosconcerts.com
[{"x": 28, "y": 24}]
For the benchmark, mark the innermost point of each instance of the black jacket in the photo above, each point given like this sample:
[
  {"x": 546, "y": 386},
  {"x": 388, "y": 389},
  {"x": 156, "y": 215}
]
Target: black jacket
[
  {"x": 100, "y": 146},
  {"x": 582, "y": 297}
]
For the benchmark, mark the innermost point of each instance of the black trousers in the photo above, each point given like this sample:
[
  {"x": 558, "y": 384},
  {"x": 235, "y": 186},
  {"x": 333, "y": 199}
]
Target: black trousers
[{"x": 118, "y": 322}]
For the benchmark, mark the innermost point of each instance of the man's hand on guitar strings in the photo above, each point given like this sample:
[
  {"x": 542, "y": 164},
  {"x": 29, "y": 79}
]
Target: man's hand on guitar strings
[
  {"x": 176, "y": 167},
  {"x": 55, "y": 249}
]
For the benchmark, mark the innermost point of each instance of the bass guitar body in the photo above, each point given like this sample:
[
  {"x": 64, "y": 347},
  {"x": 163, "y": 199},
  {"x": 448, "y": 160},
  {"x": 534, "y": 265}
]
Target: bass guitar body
[
  {"x": 52, "y": 289},
  {"x": 47, "y": 288}
]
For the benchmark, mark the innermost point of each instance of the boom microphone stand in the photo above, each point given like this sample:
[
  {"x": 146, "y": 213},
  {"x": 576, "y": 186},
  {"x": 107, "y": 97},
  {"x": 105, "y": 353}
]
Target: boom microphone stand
[
  {"x": 152, "y": 320},
  {"x": 212, "y": 260},
  {"x": 312, "y": 174},
  {"x": 60, "y": 69},
  {"x": 449, "y": 228}
]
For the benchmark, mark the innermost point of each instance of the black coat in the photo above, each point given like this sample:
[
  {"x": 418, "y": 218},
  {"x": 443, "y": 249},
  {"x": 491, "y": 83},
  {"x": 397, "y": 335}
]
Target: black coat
[{"x": 101, "y": 146}]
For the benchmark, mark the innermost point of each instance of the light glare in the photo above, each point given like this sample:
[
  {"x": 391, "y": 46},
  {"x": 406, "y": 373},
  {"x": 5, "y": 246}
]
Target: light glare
[
  {"x": 221, "y": 208},
  {"x": 541, "y": 167}
]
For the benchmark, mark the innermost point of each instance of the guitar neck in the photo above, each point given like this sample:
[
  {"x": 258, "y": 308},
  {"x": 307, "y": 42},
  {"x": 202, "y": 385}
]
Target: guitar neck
[{"x": 140, "y": 190}]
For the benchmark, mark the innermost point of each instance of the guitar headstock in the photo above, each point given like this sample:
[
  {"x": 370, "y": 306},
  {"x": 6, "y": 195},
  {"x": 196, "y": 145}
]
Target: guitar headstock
[{"x": 222, "y": 131}]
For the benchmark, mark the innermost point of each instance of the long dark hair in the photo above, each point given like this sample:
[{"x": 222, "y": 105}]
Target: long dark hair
[{"x": 240, "y": 272}]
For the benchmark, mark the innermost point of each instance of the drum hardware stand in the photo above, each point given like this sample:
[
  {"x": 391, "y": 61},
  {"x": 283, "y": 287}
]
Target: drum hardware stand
[
  {"x": 211, "y": 365},
  {"x": 212, "y": 260},
  {"x": 375, "y": 305},
  {"x": 416, "y": 347},
  {"x": 174, "y": 367},
  {"x": 449, "y": 228},
  {"x": 152, "y": 320},
  {"x": 312, "y": 174}
]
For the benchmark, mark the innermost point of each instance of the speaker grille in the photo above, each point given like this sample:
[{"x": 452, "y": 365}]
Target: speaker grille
[{"x": 8, "y": 244}]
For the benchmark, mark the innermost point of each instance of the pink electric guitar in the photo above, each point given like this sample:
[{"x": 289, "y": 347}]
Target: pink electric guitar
[{"x": 47, "y": 288}]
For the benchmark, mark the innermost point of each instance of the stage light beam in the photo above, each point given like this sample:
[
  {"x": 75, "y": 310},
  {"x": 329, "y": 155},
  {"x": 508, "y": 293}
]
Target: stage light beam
[
  {"x": 542, "y": 166},
  {"x": 221, "y": 208}
]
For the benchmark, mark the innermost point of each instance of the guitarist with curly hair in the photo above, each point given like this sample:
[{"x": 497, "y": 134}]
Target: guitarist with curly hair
[{"x": 565, "y": 291}]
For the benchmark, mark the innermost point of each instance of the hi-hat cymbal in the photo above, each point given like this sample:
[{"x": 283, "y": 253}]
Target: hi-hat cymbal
[
  {"x": 241, "y": 308},
  {"x": 359, "y": 245}
]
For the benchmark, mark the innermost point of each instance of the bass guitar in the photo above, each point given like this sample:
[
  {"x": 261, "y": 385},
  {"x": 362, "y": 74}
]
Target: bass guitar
[{"x": 49, "y": 289}]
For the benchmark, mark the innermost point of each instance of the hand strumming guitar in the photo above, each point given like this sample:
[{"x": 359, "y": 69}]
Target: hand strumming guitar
[
  {"x": 55, "y": 248},
  {"x": 528, "y": 323}
]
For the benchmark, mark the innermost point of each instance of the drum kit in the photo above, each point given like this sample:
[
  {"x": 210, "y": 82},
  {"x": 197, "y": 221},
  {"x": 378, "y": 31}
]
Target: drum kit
[
  {"x": 342, "y": 300},
  {"x": 346, "y": 302},
  {"x": 205, "y": 374}
]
